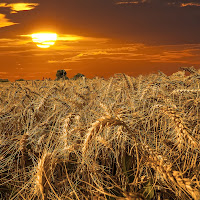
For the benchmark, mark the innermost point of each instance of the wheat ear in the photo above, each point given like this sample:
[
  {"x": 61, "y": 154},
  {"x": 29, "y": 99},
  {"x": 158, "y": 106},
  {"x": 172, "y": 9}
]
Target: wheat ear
[
  {"x": 23, "y": 142},
  {"x": 43, "y": 172},
  {"x": 164, "y": 167},
  {"x": 97, "y": 126},
  {"x": 129, "y": 82},
  {"x": 182, "y": 134},
  {"x": 22, "y": 147},
  {"x": 106, "y": 109}
]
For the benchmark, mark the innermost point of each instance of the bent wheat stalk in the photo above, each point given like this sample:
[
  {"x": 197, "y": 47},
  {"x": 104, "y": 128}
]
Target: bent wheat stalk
[{"x": 97, "y": 126}]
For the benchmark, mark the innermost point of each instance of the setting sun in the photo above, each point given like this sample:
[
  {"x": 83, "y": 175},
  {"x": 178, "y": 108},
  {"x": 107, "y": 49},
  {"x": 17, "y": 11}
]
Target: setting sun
[{"x": 44, "y": 40}]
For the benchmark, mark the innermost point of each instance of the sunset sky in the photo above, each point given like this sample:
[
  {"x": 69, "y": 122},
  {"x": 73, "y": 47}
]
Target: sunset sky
[{"x": 98, "y": 37}]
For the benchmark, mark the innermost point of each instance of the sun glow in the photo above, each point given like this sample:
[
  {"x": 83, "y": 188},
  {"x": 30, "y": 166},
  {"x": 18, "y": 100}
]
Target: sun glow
[{"x": 44, "y": 40}]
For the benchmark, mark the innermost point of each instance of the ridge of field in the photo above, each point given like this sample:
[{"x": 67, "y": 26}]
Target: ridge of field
[{"x": 122, "y": 138}]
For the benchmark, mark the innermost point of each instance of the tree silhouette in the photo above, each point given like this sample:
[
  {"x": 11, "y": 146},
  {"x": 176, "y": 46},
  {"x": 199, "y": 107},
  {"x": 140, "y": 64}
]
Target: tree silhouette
[
  {"x": 77, "y": 76},
  {"x": 21, "y": 79},
  {"x": 4, "y": 80},
  {"x": 61, "y": 75}
]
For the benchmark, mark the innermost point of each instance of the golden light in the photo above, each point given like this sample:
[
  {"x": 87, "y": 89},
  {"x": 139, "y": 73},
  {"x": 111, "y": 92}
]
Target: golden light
[
  {"x": 44, "y": 40},
  {"x": 17, "y": 7}
]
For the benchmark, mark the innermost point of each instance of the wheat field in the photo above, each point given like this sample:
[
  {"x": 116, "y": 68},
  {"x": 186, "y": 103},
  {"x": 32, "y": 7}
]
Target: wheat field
[{"x": 122, "y": 138}]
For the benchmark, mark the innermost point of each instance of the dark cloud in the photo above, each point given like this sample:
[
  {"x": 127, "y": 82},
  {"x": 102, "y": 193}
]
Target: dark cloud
[
  {"x": 152, "y": 21},
  {"x": 146, "y": 21}
]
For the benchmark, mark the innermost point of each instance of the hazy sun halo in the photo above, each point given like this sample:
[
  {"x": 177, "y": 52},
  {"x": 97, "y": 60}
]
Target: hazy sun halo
[{"x": 44, "y": 40}]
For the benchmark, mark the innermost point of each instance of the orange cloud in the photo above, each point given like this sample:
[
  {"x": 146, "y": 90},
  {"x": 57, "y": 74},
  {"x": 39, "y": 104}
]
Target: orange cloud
[
  {"x": 138, "y": 52},
  {"x": 189, "y": 4},
  {"x": 5, "y": 22},
  {"x": 3, "y": 73},
  {"x": 13, "y": 42},
  {"x": 17, "y": 7},
  {"x": 179, "y": 4}
]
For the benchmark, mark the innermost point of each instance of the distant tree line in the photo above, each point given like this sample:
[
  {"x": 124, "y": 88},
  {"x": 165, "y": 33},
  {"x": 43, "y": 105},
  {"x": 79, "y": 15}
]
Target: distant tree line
[
  {"x": 62, "y": 75},
  {"x": 4, "y": 80}
]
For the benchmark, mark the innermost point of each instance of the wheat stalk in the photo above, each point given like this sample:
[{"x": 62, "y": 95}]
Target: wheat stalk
[
  {"x": 108, "y": 88},
  {"x": 22, "y": 145},
  {"x": 129, "y": 82}
]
